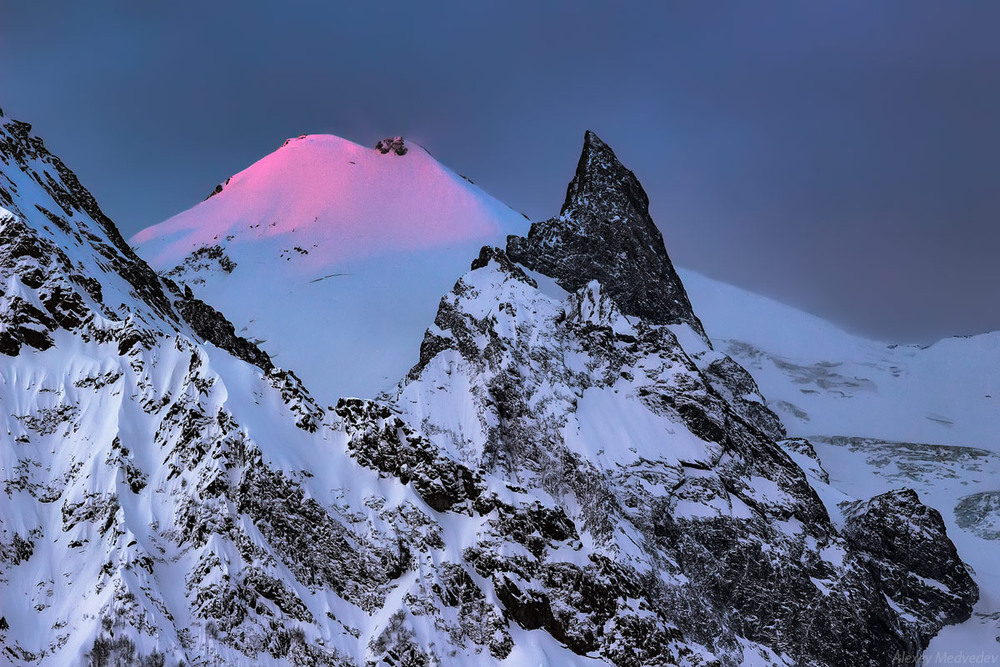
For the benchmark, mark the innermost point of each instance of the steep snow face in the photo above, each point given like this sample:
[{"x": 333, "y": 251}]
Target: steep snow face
[
  {"x": 824, "y": 381},
  {"x": 328, "y": 245}
]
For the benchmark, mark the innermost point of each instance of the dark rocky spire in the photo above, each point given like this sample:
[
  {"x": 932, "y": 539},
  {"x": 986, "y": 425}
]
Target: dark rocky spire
[{"x": 605, "y": 232}]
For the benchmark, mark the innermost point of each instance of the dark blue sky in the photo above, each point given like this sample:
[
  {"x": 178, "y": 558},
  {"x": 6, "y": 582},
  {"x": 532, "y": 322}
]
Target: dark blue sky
[{"x": 842, "y": 157}]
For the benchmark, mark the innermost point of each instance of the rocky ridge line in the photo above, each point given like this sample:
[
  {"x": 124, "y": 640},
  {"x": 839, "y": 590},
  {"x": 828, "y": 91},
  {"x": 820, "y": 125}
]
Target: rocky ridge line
[{"x": 604, "y": 232}]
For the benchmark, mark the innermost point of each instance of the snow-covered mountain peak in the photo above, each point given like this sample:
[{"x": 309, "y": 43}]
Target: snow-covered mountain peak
[
  {"x": 604, "y": 232},
  {"x": 328, "y": 200},
  {"x": 327, "y": 244}
]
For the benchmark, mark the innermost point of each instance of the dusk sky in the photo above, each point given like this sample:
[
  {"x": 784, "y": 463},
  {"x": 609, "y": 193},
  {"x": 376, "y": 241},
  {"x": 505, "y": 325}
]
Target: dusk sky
[{"x": 840, "y": 157}]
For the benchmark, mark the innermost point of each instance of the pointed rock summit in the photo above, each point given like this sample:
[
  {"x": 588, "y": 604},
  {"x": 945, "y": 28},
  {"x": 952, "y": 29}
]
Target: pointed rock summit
[
  {"x": 603, "y": 186},
  {"x": 605, "y": 232}
]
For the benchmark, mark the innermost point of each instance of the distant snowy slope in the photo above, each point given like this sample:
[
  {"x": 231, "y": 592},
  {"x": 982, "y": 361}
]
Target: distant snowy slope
[
  {"x": 824, "y": 381},
  {"x": 326, "y": 245}
]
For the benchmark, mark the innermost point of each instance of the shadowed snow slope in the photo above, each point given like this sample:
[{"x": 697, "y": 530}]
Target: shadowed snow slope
[
  {"x": 328, "y": 245},
  {"x": 824, "y": 381}
]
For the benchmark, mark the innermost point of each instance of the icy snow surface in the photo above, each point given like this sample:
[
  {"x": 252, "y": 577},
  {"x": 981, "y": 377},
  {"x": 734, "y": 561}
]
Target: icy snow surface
[{"x": 822, "y": 380}]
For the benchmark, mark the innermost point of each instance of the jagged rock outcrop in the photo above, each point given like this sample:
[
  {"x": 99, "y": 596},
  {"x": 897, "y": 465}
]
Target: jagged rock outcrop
[
  {"x": 213, "y": 326},
  {"x": 740, "y": 390},
  {"x": 711, "y": 527},
  {"x": 604, "y": 232},
  {"x": 906, "y": 547},
  {"x": 382, "y": 441},
  {"x": 76, "y": 212},
  {"x": 979, "y": 513},
  {"x": 207, "y": 258},
  {"x": 392, "y": 145}
]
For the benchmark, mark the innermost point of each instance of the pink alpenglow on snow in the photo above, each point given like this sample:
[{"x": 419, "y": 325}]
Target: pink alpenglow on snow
[
  {"x": 332, "y": 255},
  {"x": 326, "y": 194}
]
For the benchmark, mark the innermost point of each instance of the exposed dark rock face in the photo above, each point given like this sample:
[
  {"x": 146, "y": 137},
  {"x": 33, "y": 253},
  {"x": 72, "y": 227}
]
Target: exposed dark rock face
[
  {"x": 43, "y": 270},
  {"x": 980, "y": 514},
  {"x": 906, "y": 547},
  {"x": 382, "y": 441},
  {"x": 392, "y": 145},
  {"x": 489, "y": 254},
  {"x": 605, "y": 232},
  {"x": 212, "y": 326},
  {"x": 207, "y": 258},
  {"x": 219, "y": 188},
  {"x": 740, "y": 390},
  {"x": 806, "y": 456}
]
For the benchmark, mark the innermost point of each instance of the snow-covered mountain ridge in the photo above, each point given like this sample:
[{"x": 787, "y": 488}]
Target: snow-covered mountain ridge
[{"x": 556, "y": 480}]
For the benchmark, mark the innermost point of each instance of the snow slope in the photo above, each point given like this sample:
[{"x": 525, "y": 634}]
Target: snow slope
[
  {"x": 824, "y": 381},
  {"x": 326, "y": 245},
  {"x": 167, "y": 503}
]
